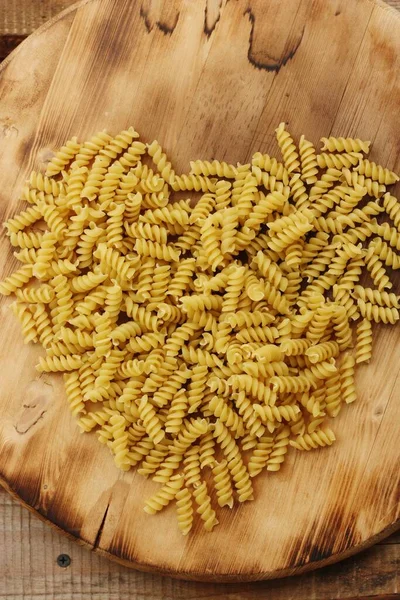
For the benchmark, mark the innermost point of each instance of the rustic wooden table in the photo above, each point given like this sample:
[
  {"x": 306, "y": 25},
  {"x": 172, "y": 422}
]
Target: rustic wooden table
[{"x": 38, "y": 563}]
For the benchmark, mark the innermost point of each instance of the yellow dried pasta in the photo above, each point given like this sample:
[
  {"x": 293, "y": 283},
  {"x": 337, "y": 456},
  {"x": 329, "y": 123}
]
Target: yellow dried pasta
[{"x": 204, "y": 341}]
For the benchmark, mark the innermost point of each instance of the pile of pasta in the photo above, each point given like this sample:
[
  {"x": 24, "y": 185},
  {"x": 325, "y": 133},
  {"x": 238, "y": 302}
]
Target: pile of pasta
[{"x": 204, "y": 334}]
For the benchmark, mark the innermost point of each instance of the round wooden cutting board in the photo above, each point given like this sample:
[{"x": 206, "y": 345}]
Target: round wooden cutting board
[{"x": 207, "y": 78}]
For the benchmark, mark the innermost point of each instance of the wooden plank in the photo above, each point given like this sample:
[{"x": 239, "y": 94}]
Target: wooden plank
[
  {"x": 101, "y": 53},
  {"x": 22, "y": 17},
  {"x": 29, "y": 551},
  {"x": 393, "y": 539},
  {"x": 394, "y": 3},
  {"x": 372, "y": 574}
]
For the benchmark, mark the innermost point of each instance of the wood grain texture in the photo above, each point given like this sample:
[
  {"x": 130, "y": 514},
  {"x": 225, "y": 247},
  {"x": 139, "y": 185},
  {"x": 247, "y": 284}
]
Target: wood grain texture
[
  {"x": 29, "y": 549},
  {"x": 22, "y": 17},
  {"x": 169, "y": 69},
  {"x": 19, "y": 18}
]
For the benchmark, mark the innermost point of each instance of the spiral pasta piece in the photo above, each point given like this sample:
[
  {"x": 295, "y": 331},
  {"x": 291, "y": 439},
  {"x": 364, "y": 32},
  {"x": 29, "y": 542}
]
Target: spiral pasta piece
[
  {"x": 270, "y": 271},
  {"x": 288, "y": 412},
  {"x": 44, "y": 255},
  {"x": 63, "y": 310},
  {"x": 206, "y": 450},
  {"x": 23, "y": 220},
  {"x": 347, "y": 382},
  {"x": 236, "y": 466},
  {"x": 379, "y": 314},
  {"x": 338, "y": 161},
  {"x": 317, "y": 439},
  {"x": 164, "y": 496},
  {"x": 65, "y": 155},
  {"x": 198, "y": 183},
  {"x": 74, "y": 393},
  {"x": 271, "y": 165},
  {"x": 364, "y": 341},
  {"x": 230, "y": 223},
  {"x": 106, "y": 373},
  {"x": 27, "y": 321},
  {"x": 76, "y": 338},
  {"x": 150, "y": 420},
  {"x": 155, "y": 456},
  {"x": 43, "y": 324},
  {"x": 262, "y": 335},
  {"x": 161, "y": 161},
  {"x": 68, "y": 362},
  {"x": 139, "y": 451},
  {"x": 378, "y": 272},
  {"x": 288, "y": 230},
  {"x": 246, "y": 318},
  {"x": 16, "y": 281},
  {"x": 121, "y": 142},
  {"x": 377, "y": 172},
  {"x": 221, "y": 169},
  {"x": 114, "y": 229},
  {"x": 322, "y": 185},
  {"x": 384, "y": 298},
  {"x": 252, "y": 386},
  {"x": 204, "y": 509},
  {"x": 26, "y": 240},
  {"x": 146, "y": 342},
  {"x": 259, "y": 213},
  {"x": 259, "y": 457},
  {"x": 184, "y": 510},
  {"x": 279, "y": 449},
  {"x": 308, "y": 160},
  {"x": 114, "y": 264},
  {"x": 156, "y": 250},
  {"x": 167, "y": 392},
  {"x": 223, "y": 483},
  {"x": 191, "y": 467},
  {"x": 102, "y": 334},
  {"x": 132, "y": 155},
  {"x": 288, "y": 149},
  {"x": 177, "y": 412},
  {"x": 189, "y": 433},
  {"x": 220, "y": 409},
  {"x": 312, "y": 404},
  {"x": 87, "y": 282},
  {"x": 246, "y": 197},
  {"x": 385, "y": 253},
  {"x": 323, "y": 351},
  {"x": 130, "y": 368},
  {"x": 113, "y": 300},
  {"x": 341, "y": 144},
  {"x": 294, "y": 384}
]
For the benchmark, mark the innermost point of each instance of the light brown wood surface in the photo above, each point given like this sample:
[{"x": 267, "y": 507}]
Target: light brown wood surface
[
  {"x": 22, "y": 17},
  {"x": 29, "y": 571},
  {"x": 177, "y": 71},
  {"x": 19, "y": 18}
]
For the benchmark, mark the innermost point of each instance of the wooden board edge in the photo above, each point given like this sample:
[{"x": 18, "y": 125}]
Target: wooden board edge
[
  {"x": 199, "y": 576},
  {"x": 383, "y": 4},
  {"x": 11, "y": 492},
  {"x": 254, "y": 577},
  {"x": 196, "y": 576},
  {"x": 61, "y": 15}
]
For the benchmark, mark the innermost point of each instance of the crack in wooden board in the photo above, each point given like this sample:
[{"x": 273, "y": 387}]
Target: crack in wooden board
[{"x": 91, "y": 577}]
